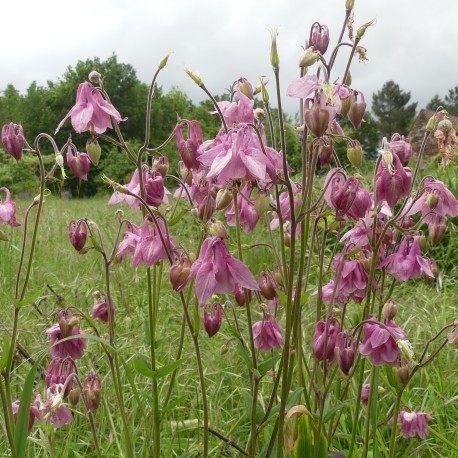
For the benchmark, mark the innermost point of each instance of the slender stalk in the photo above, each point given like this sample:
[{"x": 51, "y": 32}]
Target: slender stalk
[
  {"x": 370, "y": 406},
  {"x": 8, "y": 419},
  {"x": 397, "y": 406}
]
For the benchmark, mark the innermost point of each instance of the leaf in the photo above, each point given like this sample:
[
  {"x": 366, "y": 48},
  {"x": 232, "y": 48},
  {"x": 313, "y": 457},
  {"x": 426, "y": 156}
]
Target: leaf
[
  {"x": 21, "y": 431},
  {"x": 177, "y": 218},
  {"x": 6, "y": 351},
  {"x": 248, "y": 401},
  {"x": 171, "y": 405},
  {"x": 130, "y": 378},
  {"x": 244, "y": 354},
  {"x": 30, "y": 299},
  {"x": 268, "y": 364},
  {"x": 142, "y": 367}
]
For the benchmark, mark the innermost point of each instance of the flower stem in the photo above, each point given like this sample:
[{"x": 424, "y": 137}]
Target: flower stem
[{"x": 395, "y": 424}]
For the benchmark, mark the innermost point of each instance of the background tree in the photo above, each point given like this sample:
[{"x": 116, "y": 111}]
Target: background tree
[{"x": 390, "y": 106}]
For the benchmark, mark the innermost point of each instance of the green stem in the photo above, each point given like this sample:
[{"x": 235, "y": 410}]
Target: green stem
[
  {"x": 357, "y": 408},
  {"x": 8, "y": 419},
  {"x": 372, "y": 404},
  {"x": 395, "y": 424}
]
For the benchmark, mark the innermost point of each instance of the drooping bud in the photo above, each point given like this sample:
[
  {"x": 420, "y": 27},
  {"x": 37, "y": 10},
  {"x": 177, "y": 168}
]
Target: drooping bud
[
  {"x": 195, "y": 77},
  {"x": 92, "y": 391},
  {"x": 245, "y": 88},
  {"x": 259, "y": 114},
  {"x": 432, "y": 122},
  {"x": 345, "y": 106},
  {"x": 316, "y": 118},
  {"x": 349, "y": 5},
  {"x": 212, "y": 322},
  {"x": 103, "y": 308},
  {"x": 320, "y": 38},
  {"x": 324, "y": 340},
  {"x": 74, "y": 394},
  {"x": 184, "y": 173},
  {"x": 421, "y": 238},
  {"x": 93, "y": 150},
  {"x": 308, "y": 57},
  {"x": 401, "y": 147},
  {"x": 217, "y": 228},
  {"x": 206, "y": 209},
  {"x": 79, "y": 163},
  {"x": 153, "y": 183},
  {"x": 445, "y": 125},
  {"x": 343, "y": 194},
  {"x": 345, "y": 351},
  {"x": 357, "y": 110},
  {"x": 325, "y": 151},
  {"x": 264, "y": 94},
  {"x": 239, "y": 295},
  {"x": 189, "y": 148},
  {"x": 161, "y": 164},
  {"x": 179, "y": 272},
  {"x": 437, "y": 230},
  {"x": 402, "y": 374},
  {"x": 262, "y": 201},
  {"x": 355, "y": 153},
  {"x": 223, "y": 199},
  {"x": 266, "y": 285},
  {"x": 13, "y": 139},
  {"x": 94, "y": 77},
  {"x": 78, "y": 234},
  {"x": 389, "y": 310}
]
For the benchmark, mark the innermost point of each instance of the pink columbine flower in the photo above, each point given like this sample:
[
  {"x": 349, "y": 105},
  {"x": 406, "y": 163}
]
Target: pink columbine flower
[
  {"x": 79, "y": 163},
  {"x": 392, "y": 180},
  {"x": 237, "y": 157},
  {"x": 324, "y": 339},
  {"x": 131, "y": 238},
  {"x": 179, "y": 272},
  {"x": 266, "y": 284},
  {"x": 103, "y": 308},
  {"x": 92, "y": 391},
  {"x": 189, "y": 148},
  {"x": 66, "y": 328},
  {"x": 407, "y": 262},
  {"x": 267, "y": 334},
  {"x": 414, "y": 424},
  {"x": 91, "y": 111},
  {"x": 237, "y": 112},
  {"x": 59, "y": 370},
  {"x": 8, "y": 209},
  {"x": 134, "y": 187},
  {"x": 150, "y": 248},
  {"x": 345, "y": 351},
  {"x": 153, "y": 183},
  {"x": 239, "y": 295},
  {"x": 33, "y": 413},
  {"x": 212, "y": 321},
  {"x": 13, "y": 139},
  {"x": 54, "y": 411},
  {"x": 401, "y": 147},
  {"x": 357, "y": 109},
  {"x": 78, "y": 234},
  {"x": 378, "y": 344},
  {"x": 216, "y": 271},
  {"x": 247, "y": 212},
  {"x": 436, "y": 200},
  {"x": 320, "y": 38}
]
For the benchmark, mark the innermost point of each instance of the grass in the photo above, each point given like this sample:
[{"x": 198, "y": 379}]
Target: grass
[{"x": 423, "y": 309}]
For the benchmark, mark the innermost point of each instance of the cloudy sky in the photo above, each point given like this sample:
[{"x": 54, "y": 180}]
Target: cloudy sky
[{"x": 414, "y": 41}]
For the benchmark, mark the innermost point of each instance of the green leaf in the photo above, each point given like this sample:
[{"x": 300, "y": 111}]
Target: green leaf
[
  {"x": 177, "y": 218},
  {"x": 30, "y": 299},
  {"x": 244, "y": 354},
  {"x": 142, "y": 367},
  {"x": 171, "y": 405},
  {"x": 6, "y": 352},
  {"x": 268, "y": 364},
  {"x": 21, "y": 431},
  {"x": 130, "y": 378}
]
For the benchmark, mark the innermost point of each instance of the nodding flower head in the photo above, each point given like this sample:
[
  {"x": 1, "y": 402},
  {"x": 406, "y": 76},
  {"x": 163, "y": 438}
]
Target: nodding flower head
[
  {"x": 212, "y": 320},
  {"x": 92, "y": 391},
  {"x": 79, "y": 163},
  {"x": 13, "y": 139},
  {"x": 78, "y": 234},
  {"x": 267, "y": 334}
]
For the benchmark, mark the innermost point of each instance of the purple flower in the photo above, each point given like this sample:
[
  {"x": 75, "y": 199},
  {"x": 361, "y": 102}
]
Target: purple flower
[
  {"x": 407, "y": 262},
  {"x": 8, "y": 209},
  {"x": 378, "y": 344},
  {"x": 392, "y": 180},
  {"x": 212, "y": 321},
  {"x": 58, "y": 371},
  {"x": 267, "y": 333},
  {"x": 13, "y": 139},
  {"x": 131, "y": 238},
  {"x": 153, "y": 183},
  {"x": 345, "y": 351},
  {"x": 134, "y": 187},
  {"x": 365, "y": 392},
  {"x": 103, "y": 308},
  {"x": 92, "y": 391},
  {"x": 237, "y": 112},
  {"x": 216, "y": 271},
  {"x": 78, "y": 234},
  {"x": 324, "y": 340},
  {"x": 414, "y": 424},
  {"x": 320, "y": 38},
  {"x": 33, "y": 413},
  {"x": 188, "y": 148},
  {"x": 401, "y": 147},
  {"x": 53, "y": 410},
  {"x": 91, "y": 111},
  {"x": 247, "y": 212},
  {"x": 149, "y": 248},
  {"x": 79, "y": 164}
]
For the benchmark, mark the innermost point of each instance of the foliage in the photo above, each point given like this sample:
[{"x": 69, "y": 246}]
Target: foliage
[
  {"x": 391, "y": 109},
  {"x": 449, "y": 103}
]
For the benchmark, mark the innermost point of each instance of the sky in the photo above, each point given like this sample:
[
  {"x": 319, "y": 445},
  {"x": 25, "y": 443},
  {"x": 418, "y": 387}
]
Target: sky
[{"x": 414, "y": 42}]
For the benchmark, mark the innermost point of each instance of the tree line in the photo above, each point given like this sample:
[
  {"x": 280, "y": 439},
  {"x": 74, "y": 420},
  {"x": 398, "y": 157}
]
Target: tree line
[{"x": 41, "y": 108}]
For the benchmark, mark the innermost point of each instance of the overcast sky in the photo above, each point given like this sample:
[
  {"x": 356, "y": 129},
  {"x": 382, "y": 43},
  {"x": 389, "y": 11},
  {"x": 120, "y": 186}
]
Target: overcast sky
[{"x": 414, "y": 41}]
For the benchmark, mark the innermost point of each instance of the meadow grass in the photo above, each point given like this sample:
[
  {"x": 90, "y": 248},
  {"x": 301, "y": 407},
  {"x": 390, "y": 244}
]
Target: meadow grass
[{"x": 423, "y": 310}]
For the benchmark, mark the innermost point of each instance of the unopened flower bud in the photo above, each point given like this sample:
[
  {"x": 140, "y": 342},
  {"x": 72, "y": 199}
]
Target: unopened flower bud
[
  {"x": 362, "y": 30},
  {"x": 164, "y": 61},
  {"x": 74, "y": 394},
  {"x": 3, "y": 236},
  {"x": 308, "y": 57},
  {"x": 355, "y": 153},
  {"x": 432, "y": 199},
  {"x": 217, "y": 228},
  {"x": 316, "y": 118},
  {"x": 389, "y": 310},
  {"x": 223, "y": 199},
  {"x": 185, "y": 173},
  {"x": 402, "y": 373},
  {"x": 179, "y": 273},
  {"x": 245, "y": 88},
  {"x": 421, "y": 238},
  {"x": 345, "y": 351},
  {"x": 432, "y": 123},
  {"x": 13, "y": 139},
  {"x": 445, "y": 125},
  {"x": 437, "y": 231},
  {"x": 94, "y": 77},
  {"x": 212, "y": 321},
  {"x": 224, "y": 348},
  {"x": 357, "y": 110},
  {"x": 274, "y": 59},
  {"x": 161, "y": 164},
  {"x": 93, "y": 150},
  {"x": 92, "y": 391},
  {"x": 266, "y": 285},
  {"x": 325, "y": 151},
  {"x": 262, "y": 202},
  {"x": 195, "y": 77},
  {"x": 265, "y": 94},
  {"x": 345, "y": 107},
  {"x": 349, "y": 5},
  {"x": 259, "y": 114}
]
